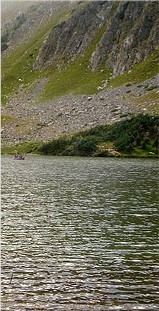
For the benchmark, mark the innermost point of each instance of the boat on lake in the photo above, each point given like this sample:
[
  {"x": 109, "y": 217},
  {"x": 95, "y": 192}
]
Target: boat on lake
[{"x": 19, "y": 157}]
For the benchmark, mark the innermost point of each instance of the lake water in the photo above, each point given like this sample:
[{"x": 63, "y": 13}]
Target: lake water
[{"x": 79, "y": 234}]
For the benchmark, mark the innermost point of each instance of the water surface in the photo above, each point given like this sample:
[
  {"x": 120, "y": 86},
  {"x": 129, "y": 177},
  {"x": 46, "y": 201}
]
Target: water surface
[{"x": 79, "y": 234}]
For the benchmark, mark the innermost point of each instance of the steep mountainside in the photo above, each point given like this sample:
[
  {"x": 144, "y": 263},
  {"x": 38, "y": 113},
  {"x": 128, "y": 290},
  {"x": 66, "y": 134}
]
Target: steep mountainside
[
  {"x": 69, "y": 66},
  {"x": 130, "y": 35},
  {"x": 21, "y": 19}
]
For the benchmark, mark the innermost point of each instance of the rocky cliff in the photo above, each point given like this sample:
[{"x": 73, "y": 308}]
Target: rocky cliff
[{"x": 130, "y": 35}]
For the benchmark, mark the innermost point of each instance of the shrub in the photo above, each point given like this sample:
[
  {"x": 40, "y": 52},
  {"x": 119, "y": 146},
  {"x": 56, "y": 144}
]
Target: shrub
[
  {"x": 85, "y": 146},
  {"x": 4, "y": 46},
  {"x": 135, "y": 132},
  {"x": 139, "y": 132},
  {"x": 4, "y": 42},
  {"x": 124, "y": 142},
  {"x": 55, "y": 147}
]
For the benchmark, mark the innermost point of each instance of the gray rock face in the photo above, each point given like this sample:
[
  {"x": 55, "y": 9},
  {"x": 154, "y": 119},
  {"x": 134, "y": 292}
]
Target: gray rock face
[
  {"x": 131, "y": 35},
  {"x": 72, "y": 37}
]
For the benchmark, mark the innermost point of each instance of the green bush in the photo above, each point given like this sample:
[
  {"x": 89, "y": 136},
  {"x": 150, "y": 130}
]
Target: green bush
[
  {"x": 4, "y": 46},
  {"x": 55, "y": 147},
  {"x": 124, "y": 143},
  {"x": 4, "y": 41},
  {"x": 85, "y": 146},
  {"x": 138, "y": 131}
]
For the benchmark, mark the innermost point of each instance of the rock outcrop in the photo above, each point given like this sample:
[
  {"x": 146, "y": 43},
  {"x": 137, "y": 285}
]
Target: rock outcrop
[
  {"x": 72, "y": 37},
  {"x": 130, "y": 35}
]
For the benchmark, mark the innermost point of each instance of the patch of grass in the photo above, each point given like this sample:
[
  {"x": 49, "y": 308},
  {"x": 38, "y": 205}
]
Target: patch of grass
[
  {"x": 149, "y": 100},
  {"x": 76, "y": 77},
  {"x": 140, "y": 153},
  {"x": 152, "y": 96},
  {"x": 106, "y": 145},
  {"x": 139, "y": 73},
  {"x": 104, "y": 149},
  {"x": 114, "y": 7},
  {"x": 6, "y": 119},
  {"x": 24, "y": 148}
]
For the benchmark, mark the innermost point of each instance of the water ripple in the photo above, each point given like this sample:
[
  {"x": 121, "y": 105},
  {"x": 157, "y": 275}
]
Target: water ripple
[{"x": 79, "y": 234}]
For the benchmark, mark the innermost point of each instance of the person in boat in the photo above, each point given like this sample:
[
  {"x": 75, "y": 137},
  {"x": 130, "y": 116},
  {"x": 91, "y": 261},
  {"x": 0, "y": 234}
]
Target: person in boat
[{"x": 18, "y": 156}]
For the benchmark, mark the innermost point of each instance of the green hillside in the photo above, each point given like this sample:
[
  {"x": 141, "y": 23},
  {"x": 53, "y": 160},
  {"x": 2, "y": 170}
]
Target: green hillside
[
  {"x": 19, "y": 64},
  {"x": 73, "y": 78}
]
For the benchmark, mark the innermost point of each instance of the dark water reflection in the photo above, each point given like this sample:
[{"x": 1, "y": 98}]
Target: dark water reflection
[{"x": 79, "y": 234}]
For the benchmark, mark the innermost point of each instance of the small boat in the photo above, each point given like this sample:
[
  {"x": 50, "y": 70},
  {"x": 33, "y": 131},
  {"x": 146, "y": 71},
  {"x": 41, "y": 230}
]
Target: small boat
[{"x": 19, "y": 157}]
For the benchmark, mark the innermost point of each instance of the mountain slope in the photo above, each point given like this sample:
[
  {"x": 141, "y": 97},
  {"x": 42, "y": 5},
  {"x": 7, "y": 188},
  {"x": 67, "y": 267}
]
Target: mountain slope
[
  {"x": 101, "y": 57},
  {"x": 22, "y": 19},
  {"x": 130, "y": 35}
]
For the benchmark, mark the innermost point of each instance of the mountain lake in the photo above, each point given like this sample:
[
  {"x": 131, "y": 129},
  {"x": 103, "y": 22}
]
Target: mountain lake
[{"x": 79, "y": 234}]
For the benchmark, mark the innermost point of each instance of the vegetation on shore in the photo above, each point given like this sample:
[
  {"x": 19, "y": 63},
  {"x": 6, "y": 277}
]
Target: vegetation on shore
[{"x": 136, "y": 137}]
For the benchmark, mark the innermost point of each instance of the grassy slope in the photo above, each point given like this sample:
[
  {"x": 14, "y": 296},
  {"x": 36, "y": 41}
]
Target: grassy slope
[
  {"x": 140, "y": 72},
  {"x": 19, "y": 64},
  {"x": 76, "y": 77}
]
